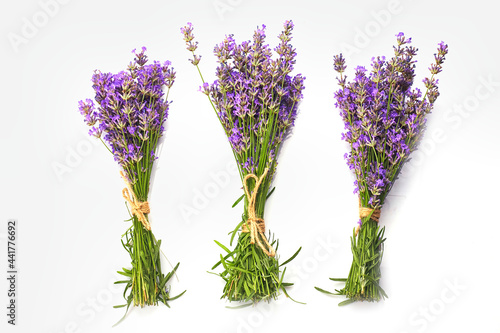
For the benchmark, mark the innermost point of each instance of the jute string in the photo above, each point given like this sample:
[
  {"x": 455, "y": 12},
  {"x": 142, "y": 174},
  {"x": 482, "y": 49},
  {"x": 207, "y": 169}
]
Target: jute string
[
  {"x": 365, "y": 212},
  {"x": 256, "y": 225},
  {"x": 137, "y": 208}
]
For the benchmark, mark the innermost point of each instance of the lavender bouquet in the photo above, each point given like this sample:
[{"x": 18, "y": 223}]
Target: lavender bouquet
[
  {"x": 255, "y": 99},
  {"x": 132, "y": 109},
  {"x": 384, "y": 120}
]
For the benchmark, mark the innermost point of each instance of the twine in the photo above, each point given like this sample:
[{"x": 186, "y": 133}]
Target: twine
[
  {"x": 256, "y": 225},
  {"x": 137, "y": 208},
  {"x": 365, "y": 212}
]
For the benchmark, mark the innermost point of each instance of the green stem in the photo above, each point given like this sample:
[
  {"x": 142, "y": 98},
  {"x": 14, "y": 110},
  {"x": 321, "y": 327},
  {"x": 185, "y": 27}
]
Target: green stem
[
  {"x": 363, "y": 282},
  {"x": 250, "y": 274},
  {"x": 146, "y": 284}
]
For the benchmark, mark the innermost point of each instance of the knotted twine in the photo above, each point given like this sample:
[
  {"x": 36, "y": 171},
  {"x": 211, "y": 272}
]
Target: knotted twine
[
  {"x": 137, "y": 208},
  {"x": 365, "y": 212},
  {"x": 256, "y": 225}
]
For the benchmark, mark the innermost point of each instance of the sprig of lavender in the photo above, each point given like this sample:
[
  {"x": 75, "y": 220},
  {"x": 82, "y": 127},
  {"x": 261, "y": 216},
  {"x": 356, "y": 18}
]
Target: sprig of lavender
[
  {"x": 384, "y": 120},
  {"x": 255, "y": 99},
  {"x": 130, "y": 116}
]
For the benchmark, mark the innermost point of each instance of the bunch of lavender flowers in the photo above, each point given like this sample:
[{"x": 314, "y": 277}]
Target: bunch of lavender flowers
[
  {"x": 129, "y": 120},
  {"x": 255, "y": 98},
  {"x": 384, "y": 121}
]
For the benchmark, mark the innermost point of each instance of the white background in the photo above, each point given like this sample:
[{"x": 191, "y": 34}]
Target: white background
[{"x": 440, "y": 268}]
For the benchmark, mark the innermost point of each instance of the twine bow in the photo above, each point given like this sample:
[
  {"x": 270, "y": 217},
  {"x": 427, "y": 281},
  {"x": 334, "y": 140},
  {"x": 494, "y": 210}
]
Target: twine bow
[
  {"x": 365, "y": 212},
  {"x": 137, "y": 208},
  {"x": 256, "y": 225}
]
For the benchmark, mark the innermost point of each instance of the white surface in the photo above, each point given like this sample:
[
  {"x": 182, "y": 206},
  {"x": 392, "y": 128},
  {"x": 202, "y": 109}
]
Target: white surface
[{"x": 441, "y": 228}]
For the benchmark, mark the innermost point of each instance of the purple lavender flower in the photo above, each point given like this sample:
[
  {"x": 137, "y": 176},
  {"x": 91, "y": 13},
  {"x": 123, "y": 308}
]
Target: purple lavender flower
[
  {"x": 131, "y": 109},
  {"x": 383, "y": 117},
  {"x": 128, "y": 116},
  {"x": 255, "y": 97},
  {"x": 187, "y": 31}
]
